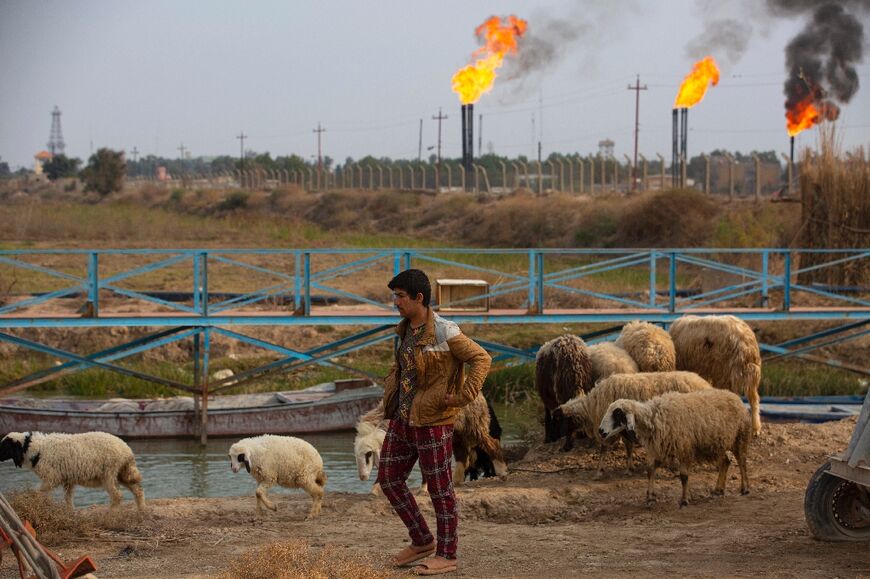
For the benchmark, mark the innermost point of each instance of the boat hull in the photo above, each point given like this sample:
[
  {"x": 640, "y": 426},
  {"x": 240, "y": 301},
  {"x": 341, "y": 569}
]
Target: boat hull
[{"x": 335, "y": 412}]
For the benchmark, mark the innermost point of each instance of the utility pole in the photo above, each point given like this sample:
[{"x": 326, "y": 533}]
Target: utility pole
[
  {"x": 319, "y": 130},
  {"x": 135, "y": 153},
  {"x": 439, "y": 118},
  {"x": 479, "y": 135},
  {"x": 420, "y": 143},
  {"x": 636, "y": 88},
  {"x": 182, "y": 149},
  {"x": 241, "y": 137}
]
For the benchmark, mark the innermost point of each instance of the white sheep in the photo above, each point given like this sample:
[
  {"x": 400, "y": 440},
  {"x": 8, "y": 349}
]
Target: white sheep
[
  {"x": 683, "y": 429},
  {"x": 90, "y": 459},
  {"x": 607, "y": 359},
  {"x": 370, "y": 433},
  {"x": 472, "y": 435},
  {"x": 649, "y": 345},
  {"x": 280, "y": 460},
  {"x": 724, "y": 351},
  {"x": 584, "y": 413}
]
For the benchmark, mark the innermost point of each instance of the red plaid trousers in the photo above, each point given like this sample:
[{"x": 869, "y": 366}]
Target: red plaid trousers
[{"x": 433, "y": 445}]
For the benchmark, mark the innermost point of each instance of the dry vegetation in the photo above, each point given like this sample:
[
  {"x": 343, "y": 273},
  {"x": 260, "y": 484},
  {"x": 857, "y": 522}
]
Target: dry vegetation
[
  {"x": 296, "y": 559},
  {"x": 835, "y": 193},
  {"x": 154, "y": 216}
]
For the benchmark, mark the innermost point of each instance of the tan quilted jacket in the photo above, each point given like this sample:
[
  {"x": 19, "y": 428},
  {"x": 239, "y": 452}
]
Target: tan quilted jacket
[{"x": 440, "y": 354}]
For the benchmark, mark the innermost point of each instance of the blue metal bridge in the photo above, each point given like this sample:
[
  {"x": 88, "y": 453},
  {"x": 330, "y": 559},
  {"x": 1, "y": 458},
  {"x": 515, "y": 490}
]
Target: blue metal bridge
[{"x": 198, "y": 294}]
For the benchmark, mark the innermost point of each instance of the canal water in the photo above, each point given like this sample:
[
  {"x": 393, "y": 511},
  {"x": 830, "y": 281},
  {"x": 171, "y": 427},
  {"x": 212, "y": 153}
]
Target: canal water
[{"x": 183, "y": 468}]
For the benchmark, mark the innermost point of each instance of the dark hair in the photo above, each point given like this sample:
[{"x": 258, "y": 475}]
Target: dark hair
[{"x": 413, "y": 281}]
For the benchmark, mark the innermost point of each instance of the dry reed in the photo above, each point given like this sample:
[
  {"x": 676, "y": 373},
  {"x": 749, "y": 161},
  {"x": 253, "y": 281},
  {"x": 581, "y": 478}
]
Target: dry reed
[{"x": 835, "y": 203}]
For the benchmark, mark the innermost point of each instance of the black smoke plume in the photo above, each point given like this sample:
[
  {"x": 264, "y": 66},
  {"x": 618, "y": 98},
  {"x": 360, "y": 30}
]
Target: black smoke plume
[{"x": 821, "y": 60}]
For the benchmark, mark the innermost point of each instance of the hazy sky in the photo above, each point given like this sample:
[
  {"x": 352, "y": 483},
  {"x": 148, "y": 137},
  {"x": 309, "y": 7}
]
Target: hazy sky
[{"x": 160, "y": 73}]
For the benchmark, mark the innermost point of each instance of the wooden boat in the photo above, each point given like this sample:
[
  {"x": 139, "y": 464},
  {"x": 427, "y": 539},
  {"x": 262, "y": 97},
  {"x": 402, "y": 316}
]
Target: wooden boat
[
  {"x": 812, "y": 409},
  {"x": 331, "y": 406}
]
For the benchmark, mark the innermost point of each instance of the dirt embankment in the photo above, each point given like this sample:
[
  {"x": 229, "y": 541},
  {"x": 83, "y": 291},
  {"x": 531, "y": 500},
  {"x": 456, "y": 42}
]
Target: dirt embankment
[{"x": 548, "y": 519}]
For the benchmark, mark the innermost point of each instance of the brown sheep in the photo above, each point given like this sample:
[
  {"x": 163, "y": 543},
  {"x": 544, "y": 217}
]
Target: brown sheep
[{"x": 563, "y": 370}]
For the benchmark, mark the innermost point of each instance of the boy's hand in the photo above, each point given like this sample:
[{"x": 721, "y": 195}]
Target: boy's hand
[{"x": 448, "y": 400}]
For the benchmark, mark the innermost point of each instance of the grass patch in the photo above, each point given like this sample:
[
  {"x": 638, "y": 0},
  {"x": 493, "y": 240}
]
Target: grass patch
[{"x": 799, "y": 379}]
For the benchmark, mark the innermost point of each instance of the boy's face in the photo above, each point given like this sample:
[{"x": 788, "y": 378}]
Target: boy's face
[{"x": 408, "y": 307}]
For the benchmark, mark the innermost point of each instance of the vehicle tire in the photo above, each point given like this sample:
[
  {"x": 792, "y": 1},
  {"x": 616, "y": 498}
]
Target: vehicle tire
[{"x": 837, "y": 509}]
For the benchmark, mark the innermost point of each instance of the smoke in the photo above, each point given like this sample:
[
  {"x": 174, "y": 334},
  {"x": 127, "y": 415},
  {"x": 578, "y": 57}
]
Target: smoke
[
  {"x": 552, "y": 37},
  {"x": 726, "y": 38},
  {"x": 821, "y": 59}
]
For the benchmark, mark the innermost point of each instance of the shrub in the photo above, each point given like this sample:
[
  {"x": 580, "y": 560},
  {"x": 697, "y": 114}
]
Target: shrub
[
  {"x": 233, "y": 201},
  {"x": 681, "y": 218},
  {"x": 105, "y": 172}
]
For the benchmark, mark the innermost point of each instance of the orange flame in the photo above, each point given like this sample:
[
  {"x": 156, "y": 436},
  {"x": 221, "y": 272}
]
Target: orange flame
[
  {"x": 803, "y": 116},
  {"x": 499, "y": 38},
  {"x": 694, "y": 87}
]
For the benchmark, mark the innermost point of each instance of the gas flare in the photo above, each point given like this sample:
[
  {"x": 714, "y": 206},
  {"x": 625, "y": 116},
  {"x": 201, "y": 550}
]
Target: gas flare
[
  {"x": 499, "y": 38},
  {"x": 694, "y": 87},
  {"x": 808, "y": 106},
  {"x": 803, "y": 116}
]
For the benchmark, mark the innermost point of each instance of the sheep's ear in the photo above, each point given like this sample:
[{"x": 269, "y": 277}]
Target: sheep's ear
[{"x": 243, "y": 458}]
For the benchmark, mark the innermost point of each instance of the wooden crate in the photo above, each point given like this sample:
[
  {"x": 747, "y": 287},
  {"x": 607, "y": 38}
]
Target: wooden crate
[{"x": 454, "y": 290}]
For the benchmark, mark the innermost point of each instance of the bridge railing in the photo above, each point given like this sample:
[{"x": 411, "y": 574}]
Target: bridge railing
[{"x": 284, "y": 282}]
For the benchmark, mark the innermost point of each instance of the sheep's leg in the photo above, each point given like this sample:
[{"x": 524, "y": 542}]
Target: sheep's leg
[
  {"x": 492, "y": 447},
  {"x": 68, "y": 491},
  {"x": 684, "y": 482},
  {"x": 46, "y": 488},
  {"x": 263, "y": 499},
  {"x": 461, "y": 460},
  {"x": 754, "y": 406},
  {"x": 724, "y": 464},
  {"x": 651, "y": 476},
  {"x": 315, "y": 491},
  {"x": 602, "y": 453},
  {"x": 111, "y": 487},
  {"x": 569, "y": 442},
  {"x": 136, "y": 489},
  {"x": 629, "y": 453},
  {"x": 744, "y": 477}
]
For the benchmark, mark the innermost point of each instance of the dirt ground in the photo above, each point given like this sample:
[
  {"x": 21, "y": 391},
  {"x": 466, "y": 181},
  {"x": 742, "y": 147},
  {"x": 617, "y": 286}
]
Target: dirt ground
[{"x": 549, "y": 518}]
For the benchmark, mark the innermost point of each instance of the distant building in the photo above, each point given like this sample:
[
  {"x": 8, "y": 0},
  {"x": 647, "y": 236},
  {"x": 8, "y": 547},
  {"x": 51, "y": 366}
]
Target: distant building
[
  {"x": 605, "y": 148},
  {"x": 39, "y": 161}
]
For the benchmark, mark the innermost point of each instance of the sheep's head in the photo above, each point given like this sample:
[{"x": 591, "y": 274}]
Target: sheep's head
[
  {"x": 240, "y": 456},
  {"x": 367, "y": 448},
  {"x": 14, "y": 445},
  {"x": 570, "y": 418},
  {"x": 619, "y": 419}
]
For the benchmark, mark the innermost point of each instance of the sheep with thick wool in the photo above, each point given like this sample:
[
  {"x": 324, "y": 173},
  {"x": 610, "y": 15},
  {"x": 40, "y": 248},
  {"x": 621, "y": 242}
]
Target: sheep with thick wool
[
  {"x": 563, "y": 370},
  {"x": 685, "y": 429},
  {"x": 608, "y": 359},
  {"x": 280, "y": 460},
  {"x": 473, "y": 437},
  {"x": 584, "y": 413},
  {"x": 724, "y": 351},
  {"x": 90, "y": 459},
  {"x": 649, "y": 346}
]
